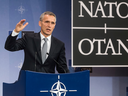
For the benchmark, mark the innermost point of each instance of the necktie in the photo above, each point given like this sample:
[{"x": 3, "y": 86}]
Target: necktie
[{"x": 44, "y": 50}]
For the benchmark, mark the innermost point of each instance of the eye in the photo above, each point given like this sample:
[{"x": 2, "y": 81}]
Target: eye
[{"x": 52, "y": 22}]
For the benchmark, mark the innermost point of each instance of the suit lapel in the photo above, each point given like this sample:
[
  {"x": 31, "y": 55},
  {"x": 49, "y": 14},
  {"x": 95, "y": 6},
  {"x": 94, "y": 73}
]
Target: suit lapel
[
  {"x": 37, "y": 41},
  {"x": 52, "y": 49},
  {"x": 53, "y": 46}
]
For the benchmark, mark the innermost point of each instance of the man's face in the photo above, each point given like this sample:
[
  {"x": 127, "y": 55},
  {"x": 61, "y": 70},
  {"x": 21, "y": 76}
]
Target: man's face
[{"x": 47, "y": 25}]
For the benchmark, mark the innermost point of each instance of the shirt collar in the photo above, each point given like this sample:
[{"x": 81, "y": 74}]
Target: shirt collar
[{"x": 42, "y": 37}]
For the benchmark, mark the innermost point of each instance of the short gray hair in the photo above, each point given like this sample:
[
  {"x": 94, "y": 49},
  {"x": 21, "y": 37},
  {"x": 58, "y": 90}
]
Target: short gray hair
[{"x": 47, "y": 13}]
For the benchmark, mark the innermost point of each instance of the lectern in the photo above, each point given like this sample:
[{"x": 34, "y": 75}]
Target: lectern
[{"x": 44, "y": 84}]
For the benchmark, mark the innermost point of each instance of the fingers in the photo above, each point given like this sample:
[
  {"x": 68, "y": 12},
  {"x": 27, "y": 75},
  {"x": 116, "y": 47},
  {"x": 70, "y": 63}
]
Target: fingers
[
  {"x": 22, "y": 21},
  {"x": 25, "y": 25},
  {"x": 20, "y": 26}
]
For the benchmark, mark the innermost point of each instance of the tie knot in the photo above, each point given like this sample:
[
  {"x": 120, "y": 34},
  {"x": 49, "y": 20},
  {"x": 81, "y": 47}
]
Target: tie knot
[{"x": 45, "y": 39}]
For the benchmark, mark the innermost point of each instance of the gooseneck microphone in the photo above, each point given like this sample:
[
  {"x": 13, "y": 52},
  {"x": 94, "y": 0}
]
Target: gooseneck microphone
[
  {"x": 35, "y": 59},
  {"x": 57, "y": 63},
  {"x": 36, "y": 68}
]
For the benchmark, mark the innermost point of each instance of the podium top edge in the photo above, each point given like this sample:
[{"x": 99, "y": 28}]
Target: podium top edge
[{"x": 86, "y": 71}]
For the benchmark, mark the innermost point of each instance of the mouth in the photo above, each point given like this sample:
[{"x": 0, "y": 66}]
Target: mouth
[{"x": 48, "y": 30}]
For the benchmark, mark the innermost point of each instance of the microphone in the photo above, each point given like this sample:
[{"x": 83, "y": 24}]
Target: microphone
[
  {"x": 36, "y": 70},
  {"x": 57, "y": 63},
  {"x": 35, "y": 59}
]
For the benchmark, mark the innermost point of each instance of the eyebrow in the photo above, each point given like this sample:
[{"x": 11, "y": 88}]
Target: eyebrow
[{"x": 49, "y": 21}]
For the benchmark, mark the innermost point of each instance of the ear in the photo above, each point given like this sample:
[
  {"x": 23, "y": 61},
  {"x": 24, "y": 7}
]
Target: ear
[{"x": 40, "y": 23}]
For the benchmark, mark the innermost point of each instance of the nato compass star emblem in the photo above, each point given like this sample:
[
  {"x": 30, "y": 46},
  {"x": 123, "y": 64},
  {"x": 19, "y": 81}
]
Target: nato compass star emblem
[
  {"x": 21, "y": 9},
  {"x": 58, "y": 89}
]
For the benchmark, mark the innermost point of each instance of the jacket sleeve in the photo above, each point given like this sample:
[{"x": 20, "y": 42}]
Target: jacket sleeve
[{"x": 14, "y": 44}]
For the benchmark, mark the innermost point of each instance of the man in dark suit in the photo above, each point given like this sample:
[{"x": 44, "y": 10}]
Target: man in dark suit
[{"x": 32, "y": 44}]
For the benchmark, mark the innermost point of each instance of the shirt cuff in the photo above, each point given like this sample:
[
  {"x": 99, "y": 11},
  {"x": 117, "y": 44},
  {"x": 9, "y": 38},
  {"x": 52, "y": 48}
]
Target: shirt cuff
[{"x": 14, "y": 33}]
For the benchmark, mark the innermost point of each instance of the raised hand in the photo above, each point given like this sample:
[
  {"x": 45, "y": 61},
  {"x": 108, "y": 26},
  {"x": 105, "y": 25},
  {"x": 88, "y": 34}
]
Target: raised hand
[{"x": 20, "y": 26}]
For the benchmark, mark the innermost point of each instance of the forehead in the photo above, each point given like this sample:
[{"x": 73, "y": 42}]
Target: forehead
[{"x": 49, "y": 18}]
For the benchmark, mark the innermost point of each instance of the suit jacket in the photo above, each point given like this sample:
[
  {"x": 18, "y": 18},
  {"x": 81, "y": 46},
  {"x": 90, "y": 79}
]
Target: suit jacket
[{"x": 31, "y": 44}]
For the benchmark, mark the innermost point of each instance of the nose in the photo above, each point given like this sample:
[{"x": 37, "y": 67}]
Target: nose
[{"x": 49, "y": 25}]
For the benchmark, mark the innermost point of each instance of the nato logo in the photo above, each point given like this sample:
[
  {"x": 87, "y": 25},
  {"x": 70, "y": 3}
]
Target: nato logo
[{"x": 58, "y": 89}]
